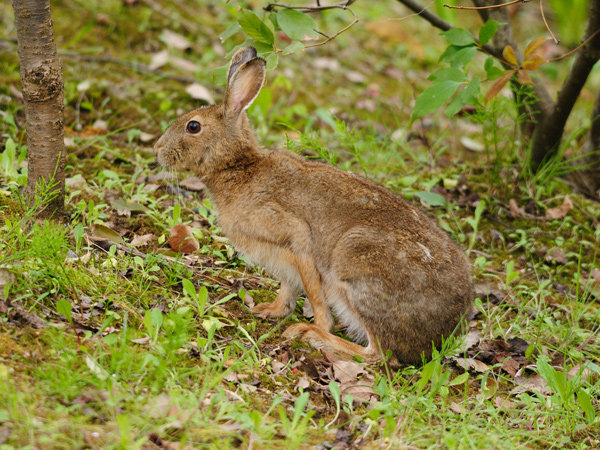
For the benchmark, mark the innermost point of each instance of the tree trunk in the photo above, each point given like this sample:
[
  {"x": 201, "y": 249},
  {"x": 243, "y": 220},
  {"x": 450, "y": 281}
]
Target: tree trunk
[
  {"x": 43, "y": 91},
  {"x": 548, "y": 133}
]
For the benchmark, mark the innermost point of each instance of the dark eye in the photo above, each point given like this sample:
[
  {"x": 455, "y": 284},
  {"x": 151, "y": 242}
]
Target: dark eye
[{"x": 193, "y": 127}]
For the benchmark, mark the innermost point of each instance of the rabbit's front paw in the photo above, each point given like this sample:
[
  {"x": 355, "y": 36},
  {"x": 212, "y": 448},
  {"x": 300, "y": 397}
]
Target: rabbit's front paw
[{"x": 270, "y": 310}]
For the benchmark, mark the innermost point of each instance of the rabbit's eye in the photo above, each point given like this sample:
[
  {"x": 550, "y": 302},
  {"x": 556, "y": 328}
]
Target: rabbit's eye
[{"x": 193, "y": 127}]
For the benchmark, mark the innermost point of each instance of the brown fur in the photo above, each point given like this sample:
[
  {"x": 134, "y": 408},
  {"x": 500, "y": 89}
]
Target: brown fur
[{"x": 354, "y": 247}]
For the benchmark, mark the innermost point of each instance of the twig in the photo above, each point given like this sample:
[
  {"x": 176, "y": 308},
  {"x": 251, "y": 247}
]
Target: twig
[
  {"x": 556, "y": 41},
  {"x": 319, "y": 7},
  {"x": 330, "y": 38},
  {"x": 342, "y": 5},
  {"x": 132, "y": 65},
  {"x": 570, "y": 52},
  {"x": 440, "y": 23},
  {"x": 138, "y": 67},
  {"x": 472, "y": 8}
]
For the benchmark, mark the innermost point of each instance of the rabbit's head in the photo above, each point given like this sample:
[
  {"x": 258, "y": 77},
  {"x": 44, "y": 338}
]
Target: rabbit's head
[{"x": 210, "y": 138}]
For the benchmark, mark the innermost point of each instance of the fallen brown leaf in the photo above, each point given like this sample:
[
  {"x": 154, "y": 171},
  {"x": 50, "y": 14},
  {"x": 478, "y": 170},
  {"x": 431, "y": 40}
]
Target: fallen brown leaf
[
  {"x": 142, "y": 240},
  {"x": 560, "y": 211},
  {"x": 181, "y": 239},
  {"x": 556, "y": 255}
]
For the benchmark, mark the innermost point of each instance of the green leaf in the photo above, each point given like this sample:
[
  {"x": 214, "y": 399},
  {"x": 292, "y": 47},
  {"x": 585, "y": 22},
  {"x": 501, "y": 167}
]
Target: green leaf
[
  {"x": 433, "y": 97},
  {"x": 230, "y": 31},
  {"x": 431, "y": 198},
  {"x": 447, "y": 74},
  {"x": 296, "y": 25},
  {"x": 254, "y": 27},
  {"x": 272, "y": 61},
  {"x": 64, "y": 308},
  {"x": 296, "y": 45},
  {"x": 458, "y": 37},
  {"x": 458, "y": 56},
  {"x": 488, "y": 30},
  {"x": 584, "y": 401},
  {"x": 459, "y": 379},
  {"x": 189, "y": 289},
  {"x": 468, "y": 96},
  {"x": 108, "y": 234}
]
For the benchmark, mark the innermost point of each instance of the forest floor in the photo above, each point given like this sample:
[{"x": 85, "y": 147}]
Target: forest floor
[{"x": 109, "y": 339}]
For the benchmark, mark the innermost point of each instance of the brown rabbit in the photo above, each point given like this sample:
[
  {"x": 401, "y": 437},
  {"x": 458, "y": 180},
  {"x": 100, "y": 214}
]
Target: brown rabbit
[{"x": 355, "y": 248}]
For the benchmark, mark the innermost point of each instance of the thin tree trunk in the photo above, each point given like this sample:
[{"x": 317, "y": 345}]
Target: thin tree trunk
[
  {"x": 43, "y": 91},
  {"x": 549, "y": 131},
  {"x": 587, "y": 180}
]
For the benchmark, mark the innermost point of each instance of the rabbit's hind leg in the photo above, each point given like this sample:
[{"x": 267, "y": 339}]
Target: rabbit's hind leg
[
  {"x": 322, "y": 339},
  {"x": 283, "y": 305}
]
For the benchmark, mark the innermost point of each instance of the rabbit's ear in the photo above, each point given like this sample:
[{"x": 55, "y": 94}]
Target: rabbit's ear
[
  {"x": 244, "y": 86},
  {"x": 243, "y": 55}
]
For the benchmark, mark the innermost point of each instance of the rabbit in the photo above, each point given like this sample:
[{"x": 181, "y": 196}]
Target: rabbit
[{"x": 355, "y": 248}]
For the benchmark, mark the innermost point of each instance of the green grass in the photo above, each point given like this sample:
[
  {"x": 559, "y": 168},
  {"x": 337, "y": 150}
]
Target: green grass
[{"x": 151, "y": 347}]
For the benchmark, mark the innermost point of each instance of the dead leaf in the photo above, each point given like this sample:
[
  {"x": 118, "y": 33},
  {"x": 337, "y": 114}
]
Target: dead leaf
[
  {"x": 355, "y": 77},
  {"x": 517, "y": 211},
  {"x": 125, "y": 208},
  {"x": 471, "y": 340},
  {"x": 199, "y": 92},
  {"x": 346, "y": 371},
  {"x": 456, "y": 408},
  {"x": 159, "y": 59},
  {"x": 5, "y": 279},
  {"x": 556, "y": 255},
  {"x": 104, "y": 233},
  {"x": 472, "y": 364},
  {"x": 560, "y": 211},
  {"x": 176, "y": 40},
  {"x": 503, "y": 403},
  {"x": 184, "y": 64},
  {"x": 193, "y": 184},
  {"x": 511, "y": 366},
  {"x": 324, "y": 63},
  {"x": 303, "y": 383},
  {"x": 472, "y": 145},
  {"x": 534, "y": 383},
  {"x": 141, "y": 341},
  {"x": 488, "y": 291},
  {"x": 139, "y": 241},
  {"x": 181, "y": 239}
]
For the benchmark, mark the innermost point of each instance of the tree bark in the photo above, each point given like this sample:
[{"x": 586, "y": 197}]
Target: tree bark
[
  {"x": 43, "y": 92},
  {"x": 549, "y": 131}
]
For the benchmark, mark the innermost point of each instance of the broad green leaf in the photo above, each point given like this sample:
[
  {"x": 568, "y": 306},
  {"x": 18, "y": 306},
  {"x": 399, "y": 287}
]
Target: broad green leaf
[
  {"x": 491, "y": 70},
  {"x": 296, "y": 25},
  {"x": 487, "y": 31},
  {"x": 447, "y": 74},
  {"x": 431, "y": 198},
  {"x": 458, "y": 37},
  {"x": 108, "y": 234},
  {"x": 433, "y": 97},
  {"x": 272, "y": 61},
  {"x": 458, "y": 56},
  {"x": 584, "y": 401},
  {"x": 230, "y": 31},
  {"x": 64, "y": 308},
  {"x": 296, "y": 45},
  {"x": 189, "y": 289},
  {"x": 459, "y": 379},
  {"x": 254, "y": 27},
  {"x": 468, "y": 96}
]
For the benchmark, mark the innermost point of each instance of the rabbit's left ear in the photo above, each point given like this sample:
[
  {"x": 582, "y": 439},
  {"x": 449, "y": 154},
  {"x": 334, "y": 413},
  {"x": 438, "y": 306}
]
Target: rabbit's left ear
[
  {"x": 244, "y": 85},
  {"x": 240, "y": 57}
]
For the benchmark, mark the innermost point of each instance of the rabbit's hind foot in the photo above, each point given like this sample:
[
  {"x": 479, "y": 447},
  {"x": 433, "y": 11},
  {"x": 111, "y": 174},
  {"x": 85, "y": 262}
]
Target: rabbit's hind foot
[
  {"x": 283, "y": 305},
  {"x": 322, "y": 339}
]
